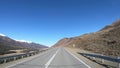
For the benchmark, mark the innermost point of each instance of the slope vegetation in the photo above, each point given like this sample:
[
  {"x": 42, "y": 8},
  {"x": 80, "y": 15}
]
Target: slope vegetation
[
  {"x": 106, "y": 41},
  {"x": 7, "y": 44}
]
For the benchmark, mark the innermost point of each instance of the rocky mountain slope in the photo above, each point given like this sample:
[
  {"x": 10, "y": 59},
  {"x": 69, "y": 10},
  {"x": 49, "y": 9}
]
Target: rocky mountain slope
[
  {"x": 7, "y": 44},
  {"x": 106, "y": 41}
]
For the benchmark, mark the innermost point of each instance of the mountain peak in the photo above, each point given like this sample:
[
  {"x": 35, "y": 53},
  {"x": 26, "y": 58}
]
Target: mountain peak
[
  {"x": 24, "y": 41},
  {"x": 2, "y": 35}
]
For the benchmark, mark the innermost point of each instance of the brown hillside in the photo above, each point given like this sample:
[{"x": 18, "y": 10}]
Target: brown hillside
[
  {"x": 106, "y": 41},
  {"x": 63, "y": 42}
]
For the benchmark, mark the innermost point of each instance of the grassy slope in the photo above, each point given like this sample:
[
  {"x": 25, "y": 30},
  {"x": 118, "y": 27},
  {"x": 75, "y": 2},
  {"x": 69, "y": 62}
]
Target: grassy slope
[{"x": 106, "y": 41}]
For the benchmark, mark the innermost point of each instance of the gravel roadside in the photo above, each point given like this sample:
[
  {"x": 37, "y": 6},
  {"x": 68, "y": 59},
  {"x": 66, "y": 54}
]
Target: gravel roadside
[{"x": 87, "y": 61}]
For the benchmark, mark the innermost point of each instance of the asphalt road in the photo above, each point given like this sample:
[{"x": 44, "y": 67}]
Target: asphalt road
[{"x": 53, "y": 58}]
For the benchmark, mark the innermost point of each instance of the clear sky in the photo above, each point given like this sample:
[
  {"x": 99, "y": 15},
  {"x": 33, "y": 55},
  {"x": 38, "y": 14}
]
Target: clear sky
[{"x": 47, "y": 21}]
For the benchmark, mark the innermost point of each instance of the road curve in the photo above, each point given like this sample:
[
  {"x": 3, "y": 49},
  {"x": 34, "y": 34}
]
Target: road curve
[{"x": 53, "y": 58}]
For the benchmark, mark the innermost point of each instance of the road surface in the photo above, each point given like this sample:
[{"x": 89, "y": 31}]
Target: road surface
[{"x": 53, "y": 58}]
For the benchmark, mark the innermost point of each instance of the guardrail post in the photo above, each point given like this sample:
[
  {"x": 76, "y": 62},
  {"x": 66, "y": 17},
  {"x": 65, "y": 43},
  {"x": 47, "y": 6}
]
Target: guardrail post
[
  {"x": 93, "y": 58},
  {"x": 118, "y": 63},
  {"x": 27, "y": 55},
  {"x": 4, "y": 61},
  {"x": 14, "y": 58},
  {"x": 102, "y": 60},
  {"x": 22, "y": 57}
]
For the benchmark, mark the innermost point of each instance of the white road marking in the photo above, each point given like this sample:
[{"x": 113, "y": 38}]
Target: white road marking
[
  {"x": 79, "y": 59},
  {"x": 48, "y": 63}
]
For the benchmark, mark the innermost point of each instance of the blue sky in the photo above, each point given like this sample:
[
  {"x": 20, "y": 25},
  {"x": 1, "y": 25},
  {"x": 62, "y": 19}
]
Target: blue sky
[{"x": 47, "y": 21}]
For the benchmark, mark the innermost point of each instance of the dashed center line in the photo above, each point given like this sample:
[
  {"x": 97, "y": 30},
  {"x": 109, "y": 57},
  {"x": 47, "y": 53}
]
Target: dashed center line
[{"x": 48, "y": 63}]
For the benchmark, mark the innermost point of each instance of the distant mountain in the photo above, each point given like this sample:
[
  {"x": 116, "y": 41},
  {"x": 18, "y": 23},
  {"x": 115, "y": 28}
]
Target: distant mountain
[
  {"x": 7, "y": 44},
  {"x": 106, "y": 41}
]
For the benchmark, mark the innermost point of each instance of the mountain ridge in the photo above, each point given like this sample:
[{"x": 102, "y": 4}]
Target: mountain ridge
[
  {"x": 105, "y": 41},
  {"x": 7, "y": 43}
]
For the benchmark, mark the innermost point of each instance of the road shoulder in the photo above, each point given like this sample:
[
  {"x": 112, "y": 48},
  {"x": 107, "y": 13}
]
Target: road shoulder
[{"x": 87, "y": 61}]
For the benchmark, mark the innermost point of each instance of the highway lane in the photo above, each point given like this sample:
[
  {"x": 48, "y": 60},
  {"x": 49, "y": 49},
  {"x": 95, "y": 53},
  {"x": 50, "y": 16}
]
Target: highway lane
[
  {"x": 64, "y": 59},
  {"x": 53, "y": 58}
]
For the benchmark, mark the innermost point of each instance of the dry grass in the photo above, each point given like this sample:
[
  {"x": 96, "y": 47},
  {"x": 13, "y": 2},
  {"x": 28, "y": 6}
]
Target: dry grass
[{"x": 105, "y": 41}]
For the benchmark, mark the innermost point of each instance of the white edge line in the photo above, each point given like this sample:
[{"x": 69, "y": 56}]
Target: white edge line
[
  {"x": 32, "y": 57},
  {"x": 48, "y": 63},
  {"x": 78, "y": 59}
]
